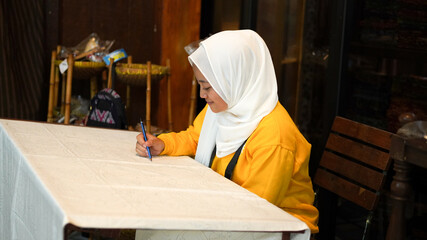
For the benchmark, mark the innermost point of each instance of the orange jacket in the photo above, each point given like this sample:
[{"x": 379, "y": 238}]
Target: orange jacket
[{"x": 273, "y": 164}]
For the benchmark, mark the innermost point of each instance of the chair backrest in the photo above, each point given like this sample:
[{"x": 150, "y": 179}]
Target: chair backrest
[{"x": 355, "y": 162}]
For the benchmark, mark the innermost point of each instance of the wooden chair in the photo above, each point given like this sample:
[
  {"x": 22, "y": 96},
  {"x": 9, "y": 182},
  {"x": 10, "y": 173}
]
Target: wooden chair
[{"x": 353, "y": 166}]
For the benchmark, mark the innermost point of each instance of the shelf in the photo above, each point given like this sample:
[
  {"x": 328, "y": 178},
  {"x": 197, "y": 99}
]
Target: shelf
[
  {"x": 85, "y": 69},
  {"x": 377, "y": 50},
  {"x": 289, "y": 60},
  {"x": 136, "y": 74}
]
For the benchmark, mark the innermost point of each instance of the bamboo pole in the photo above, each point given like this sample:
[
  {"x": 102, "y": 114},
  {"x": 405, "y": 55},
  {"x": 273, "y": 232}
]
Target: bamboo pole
[
  {"x": 168, "y": 79},
  {"x": 56, "y": 86},
  {"x": 128, "y": 86},
  {"x": 192, "y": 100},
  {"x": 93, "y": 86},
  {"x": 70, "y": 61},
  {"x": 51, "y": 88},
  {"x": 110, "y": 72},
  {"x": 63, "y": 90},
  {"x": 148, "y": 98}
]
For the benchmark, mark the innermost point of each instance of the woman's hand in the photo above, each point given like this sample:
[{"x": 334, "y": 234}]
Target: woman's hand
[{"x": 156, "y": 145}]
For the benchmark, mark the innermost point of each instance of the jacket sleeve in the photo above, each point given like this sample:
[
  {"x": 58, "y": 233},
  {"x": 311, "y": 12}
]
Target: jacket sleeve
[{"x": 184, "y": 142}]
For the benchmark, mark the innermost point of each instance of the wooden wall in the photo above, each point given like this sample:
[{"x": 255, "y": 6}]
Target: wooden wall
[
  {"x": 153, "y": 30},
  {"x": 180, "y": 26}
]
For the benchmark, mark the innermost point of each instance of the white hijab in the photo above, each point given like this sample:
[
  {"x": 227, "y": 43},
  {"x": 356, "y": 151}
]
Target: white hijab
[{"x": 238, "y": 66}]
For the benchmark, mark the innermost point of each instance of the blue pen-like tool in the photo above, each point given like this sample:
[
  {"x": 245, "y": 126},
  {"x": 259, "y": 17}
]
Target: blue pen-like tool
[{"x": 145, "y": 139}]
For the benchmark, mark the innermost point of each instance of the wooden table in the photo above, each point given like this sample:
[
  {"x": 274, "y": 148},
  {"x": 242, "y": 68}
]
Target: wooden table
[
  {"x": 52, "y": 175},
  {"x": 406, "y": 153}
]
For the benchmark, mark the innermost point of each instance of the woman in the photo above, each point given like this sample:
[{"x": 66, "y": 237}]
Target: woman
[{"x": 237, "y": 79}]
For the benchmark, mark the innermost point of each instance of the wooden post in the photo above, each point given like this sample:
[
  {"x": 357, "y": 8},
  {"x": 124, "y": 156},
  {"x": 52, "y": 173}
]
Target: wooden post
[
  {"x": 51, "y": 88},
  {"x": 56, "y": 86},
  {"x": 169, "y": 94},
  {"x": 400, "y": 189},
  {"x": 110, "y": 72},
  {"x": 93, "y": 86},
  {"x": 104, "y": 78},
  {"x": 70, "y": 61},
  {"x": 63, "y": 90},
  {"x": 300, "y": 36},
  {"x": 148, "y": 98},
  {"x": 192, "y": 100},
  {"x": 128, "y": 86}
]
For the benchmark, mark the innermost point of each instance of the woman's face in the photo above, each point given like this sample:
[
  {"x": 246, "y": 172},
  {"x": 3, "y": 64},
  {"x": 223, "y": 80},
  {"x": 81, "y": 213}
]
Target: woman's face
[{"x": 208, "y": 93}]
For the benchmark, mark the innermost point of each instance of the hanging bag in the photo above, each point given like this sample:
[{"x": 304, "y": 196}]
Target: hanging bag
[{"x": 107, "y": 110}]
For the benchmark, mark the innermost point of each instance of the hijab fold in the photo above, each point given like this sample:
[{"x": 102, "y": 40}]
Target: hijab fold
[{"x": 238, "y": 66}]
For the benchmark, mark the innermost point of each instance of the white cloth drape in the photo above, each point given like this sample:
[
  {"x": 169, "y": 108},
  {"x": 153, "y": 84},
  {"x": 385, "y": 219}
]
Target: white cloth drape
[
  {"x": 27, "y": 211},
  {"x": 52, "y": 174}
]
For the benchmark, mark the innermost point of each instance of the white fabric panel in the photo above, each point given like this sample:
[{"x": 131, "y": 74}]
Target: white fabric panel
[
  {"x": 208, "y": 235},
  {"x": 205, "y": 235},
  {"x": 27, "y": 210}
]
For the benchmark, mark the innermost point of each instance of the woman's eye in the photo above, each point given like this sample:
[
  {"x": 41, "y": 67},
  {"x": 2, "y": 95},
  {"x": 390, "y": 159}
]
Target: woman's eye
[{"x": 207, "y": 88}]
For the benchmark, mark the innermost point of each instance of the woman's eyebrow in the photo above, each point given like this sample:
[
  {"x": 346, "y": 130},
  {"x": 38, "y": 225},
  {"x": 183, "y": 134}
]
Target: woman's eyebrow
[{"x": 201, "y": 81}]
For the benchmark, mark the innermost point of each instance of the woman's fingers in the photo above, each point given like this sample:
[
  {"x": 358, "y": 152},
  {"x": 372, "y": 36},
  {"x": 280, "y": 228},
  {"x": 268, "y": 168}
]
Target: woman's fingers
[
  {"x": 141, "y": 150},
  {"x": 155, "y": 144}
]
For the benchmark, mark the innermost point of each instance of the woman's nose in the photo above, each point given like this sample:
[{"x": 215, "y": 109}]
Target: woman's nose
[{"x": 202, "y": 93}]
